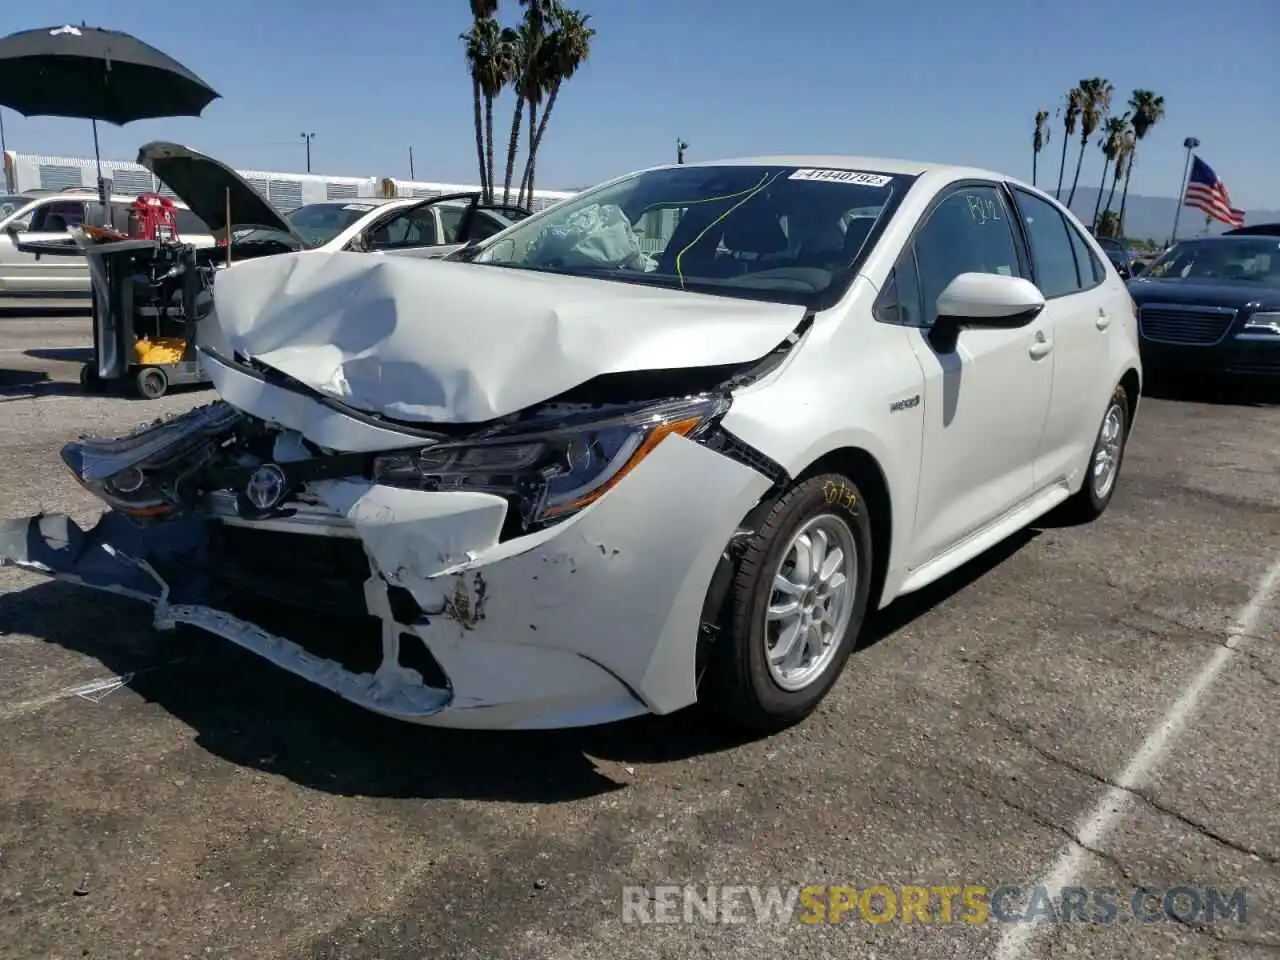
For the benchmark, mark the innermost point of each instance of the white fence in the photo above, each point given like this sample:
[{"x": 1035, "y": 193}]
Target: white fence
[{"x": 28, "y": 171}]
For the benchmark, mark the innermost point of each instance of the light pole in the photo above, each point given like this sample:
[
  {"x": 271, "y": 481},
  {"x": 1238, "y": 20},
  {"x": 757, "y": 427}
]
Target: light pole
[
  {"x": 3, "y": 150},
  {"x": 1190, "y": 143},
  {"x": 681, "y": 147},
  {"x": 308, "y": 137}
]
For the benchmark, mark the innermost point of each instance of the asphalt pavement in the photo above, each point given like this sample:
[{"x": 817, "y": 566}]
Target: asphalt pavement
[{"x": 1092, "y": 707}]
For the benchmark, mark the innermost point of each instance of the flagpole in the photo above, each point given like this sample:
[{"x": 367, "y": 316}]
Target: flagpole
[{"x": 1190, "y": 143}]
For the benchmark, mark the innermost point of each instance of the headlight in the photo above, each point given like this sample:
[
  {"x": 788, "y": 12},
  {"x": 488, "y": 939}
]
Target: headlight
[
  {"x": 550, "y": 473},
  {"x": 1267, "y": 324},
  {"x": 127, "y": 472}
]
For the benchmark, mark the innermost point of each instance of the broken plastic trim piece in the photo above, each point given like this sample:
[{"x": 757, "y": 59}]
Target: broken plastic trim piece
[{"x": 55, "y": 546}]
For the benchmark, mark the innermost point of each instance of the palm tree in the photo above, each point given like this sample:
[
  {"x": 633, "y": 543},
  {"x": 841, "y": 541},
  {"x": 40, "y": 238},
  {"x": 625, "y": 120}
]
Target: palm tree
[
  {"x": 1095, "y": 104},
  {"x": 1122, "y": 164},
  {"x": 530, "y": 35},
  {"x": 474, "y": 45},
  {"x": 569, "y": 47},
  {"x": 1112, "y": 141},
  {"x": 491, "y": 59},
  {"x": 1148, "y": 110},
  {"x": 1038, "y": 141},
  {"x": 1070, "y": 114}
]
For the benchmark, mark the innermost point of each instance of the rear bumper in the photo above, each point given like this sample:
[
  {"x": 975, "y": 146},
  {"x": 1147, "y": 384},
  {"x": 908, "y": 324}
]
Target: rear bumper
[{"x": 593, "y": 620}]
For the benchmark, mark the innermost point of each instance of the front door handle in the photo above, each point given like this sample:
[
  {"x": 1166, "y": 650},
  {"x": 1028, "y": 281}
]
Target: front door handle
[
  {"x": 1040, "y": 347},
  {"x": 1103, "y": 321}
]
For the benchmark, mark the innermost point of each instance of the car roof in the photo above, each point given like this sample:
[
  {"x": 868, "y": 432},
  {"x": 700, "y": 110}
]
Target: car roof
[
  {"x": 373, "y": 201},
  {"x": 913, "y": 168},
  {"x": 366, "y": 201},
  {"x": 83, "y": 195}
]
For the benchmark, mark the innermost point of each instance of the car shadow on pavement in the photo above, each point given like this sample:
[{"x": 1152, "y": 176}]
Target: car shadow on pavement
[
  {"x": 35, "y": 311},
  {"x": 254, "y": 715},
  {"x": 29, "y": 384},
  {"x": 62, "y": 354},
  {"x": 1216, "y": 390}
]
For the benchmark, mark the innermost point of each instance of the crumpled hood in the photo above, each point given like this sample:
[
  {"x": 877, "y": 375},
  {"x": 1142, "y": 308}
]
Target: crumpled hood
[{"x": 446, "y": 342}]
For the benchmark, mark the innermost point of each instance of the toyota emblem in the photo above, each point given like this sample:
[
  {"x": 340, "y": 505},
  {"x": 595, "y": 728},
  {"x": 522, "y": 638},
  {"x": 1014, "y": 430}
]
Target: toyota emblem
[{"x": 265, "y": 487}]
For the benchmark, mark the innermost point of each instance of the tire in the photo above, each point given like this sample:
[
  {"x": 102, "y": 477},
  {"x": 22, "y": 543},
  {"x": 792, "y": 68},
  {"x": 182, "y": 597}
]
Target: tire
[
  {"x": 89, "y": 378},
  {"x": 740, "y": 685},
  {"x": 152, "y": 383},
  {"x": 1090, "y": 501}
]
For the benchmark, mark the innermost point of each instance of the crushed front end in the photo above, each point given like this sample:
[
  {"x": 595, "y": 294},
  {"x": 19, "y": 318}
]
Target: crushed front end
[{"x": 545, "y": 571}]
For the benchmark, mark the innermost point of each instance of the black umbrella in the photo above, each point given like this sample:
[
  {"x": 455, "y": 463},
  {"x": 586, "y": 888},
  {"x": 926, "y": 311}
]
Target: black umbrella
[{"x": 95, "y": 74}]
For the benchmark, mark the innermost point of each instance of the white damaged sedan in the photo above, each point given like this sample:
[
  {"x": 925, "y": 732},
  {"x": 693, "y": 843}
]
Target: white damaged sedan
[{"x": 669, "y": 440}]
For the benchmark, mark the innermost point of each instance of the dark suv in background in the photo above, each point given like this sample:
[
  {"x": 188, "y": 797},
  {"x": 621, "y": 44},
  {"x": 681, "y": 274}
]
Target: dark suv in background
[{"x": 1121, "y": 257}]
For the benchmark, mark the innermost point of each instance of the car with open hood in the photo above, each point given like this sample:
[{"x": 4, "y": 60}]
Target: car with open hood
[
  {"x": 1211, "y": 306},
  {"x": 407, "y": 226},
  {"x": 209, "y": 192},
  {"x": 668, "y": 441}
]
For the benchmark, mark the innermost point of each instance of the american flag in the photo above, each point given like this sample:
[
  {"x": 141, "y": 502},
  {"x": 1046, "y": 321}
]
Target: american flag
[{"x": 1206, "y": 192}]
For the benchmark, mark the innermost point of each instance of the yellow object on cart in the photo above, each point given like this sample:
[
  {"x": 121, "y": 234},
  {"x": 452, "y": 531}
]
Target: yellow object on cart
[{"x": 160, "y": 351}]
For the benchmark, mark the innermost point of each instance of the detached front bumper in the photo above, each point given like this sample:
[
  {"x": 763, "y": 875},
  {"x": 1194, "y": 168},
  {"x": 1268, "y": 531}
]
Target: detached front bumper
[{"x": 592, "y": 620}]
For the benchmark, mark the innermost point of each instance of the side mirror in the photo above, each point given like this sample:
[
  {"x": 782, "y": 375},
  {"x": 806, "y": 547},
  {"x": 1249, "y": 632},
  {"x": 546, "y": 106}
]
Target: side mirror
[
  {"x": 989, "y": 300},
  {"x": 1125, "y": 272},
  {"x": 15, "y": 228}
]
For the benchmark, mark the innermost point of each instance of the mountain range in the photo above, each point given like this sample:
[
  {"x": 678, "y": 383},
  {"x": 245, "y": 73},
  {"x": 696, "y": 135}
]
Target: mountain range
[{"x": 1151, "y": 218}]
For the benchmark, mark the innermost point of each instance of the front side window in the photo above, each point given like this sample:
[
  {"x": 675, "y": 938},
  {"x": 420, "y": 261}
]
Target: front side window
[
  {"x": 968, "y": 232},
  {"x": 899, "y": 301},
  {"x": 782, "y": 233},
  {"x": 1052, "y": 256},
  {"x": 451, "y": 217},
  {"x": 58, "y": 217}
]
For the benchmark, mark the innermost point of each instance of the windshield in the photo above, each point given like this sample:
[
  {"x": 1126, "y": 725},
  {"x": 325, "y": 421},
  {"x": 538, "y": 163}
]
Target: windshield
[
  {"x": 318, "y": 223},
  {"x": 1221, "y": 259},
  {"x": 777, "y": 233}
]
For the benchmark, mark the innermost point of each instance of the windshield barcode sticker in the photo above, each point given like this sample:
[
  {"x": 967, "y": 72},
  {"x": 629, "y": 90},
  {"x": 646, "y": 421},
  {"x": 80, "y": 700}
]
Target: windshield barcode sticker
[{"x": 856, "y": 177}]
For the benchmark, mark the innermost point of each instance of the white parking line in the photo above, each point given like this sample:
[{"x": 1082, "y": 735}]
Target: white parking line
[{"x": 1113, "y": 804}]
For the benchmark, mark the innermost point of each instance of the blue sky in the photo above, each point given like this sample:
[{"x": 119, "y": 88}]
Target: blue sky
[{"x": 926, "y": 79}]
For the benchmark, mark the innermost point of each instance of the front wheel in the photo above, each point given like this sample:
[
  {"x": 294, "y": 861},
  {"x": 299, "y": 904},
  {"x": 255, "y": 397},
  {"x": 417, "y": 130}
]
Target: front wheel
[
  {"x": 796, "y": 607},
  {"x": 1103, "y": 469}
]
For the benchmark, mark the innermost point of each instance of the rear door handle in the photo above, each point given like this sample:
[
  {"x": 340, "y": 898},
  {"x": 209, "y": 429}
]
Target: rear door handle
[{"x": 1103, "y": 321}]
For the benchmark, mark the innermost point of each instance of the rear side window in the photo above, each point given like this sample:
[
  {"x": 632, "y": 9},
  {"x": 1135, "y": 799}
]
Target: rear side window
[
  {"x": 1090, "y": 268},
  {"x": 1052, "y": 255}
]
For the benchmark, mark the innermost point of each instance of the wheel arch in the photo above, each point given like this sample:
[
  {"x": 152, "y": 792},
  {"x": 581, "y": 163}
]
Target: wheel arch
[
  {"x": 1131, "y": 383},
  {"x": 861, "y": 466}
]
